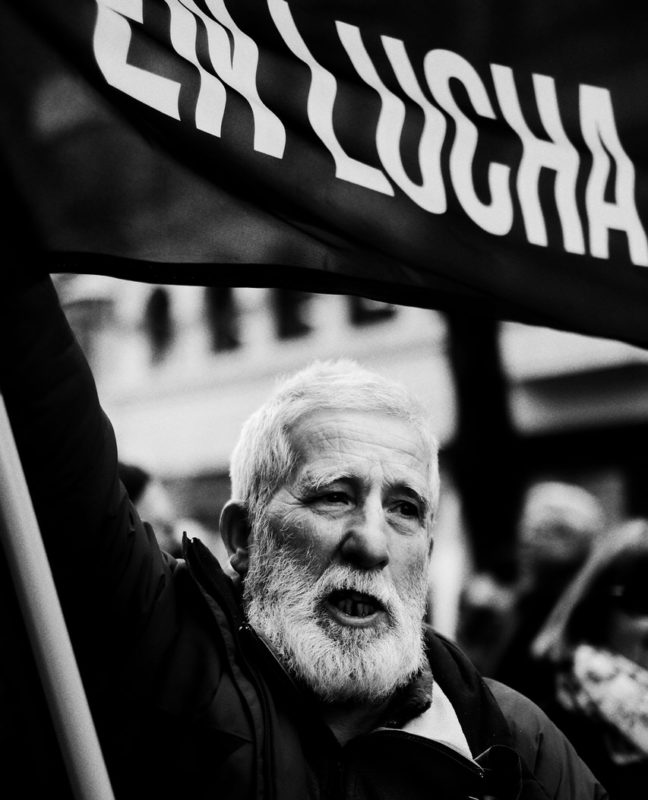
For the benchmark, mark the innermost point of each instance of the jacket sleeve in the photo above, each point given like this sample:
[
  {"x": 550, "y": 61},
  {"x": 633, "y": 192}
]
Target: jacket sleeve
[
  {"x": 550, "y": 758},
  {"x": 111, "y": 576}
]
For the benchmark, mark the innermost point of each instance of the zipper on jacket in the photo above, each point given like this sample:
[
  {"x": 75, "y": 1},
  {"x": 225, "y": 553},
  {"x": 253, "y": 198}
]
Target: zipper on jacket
[
  {"x": 237, "y": 628},
  {"x": 245, "y": 629}
]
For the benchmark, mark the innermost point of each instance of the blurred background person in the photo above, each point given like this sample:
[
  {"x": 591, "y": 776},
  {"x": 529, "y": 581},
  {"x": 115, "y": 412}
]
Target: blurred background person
[
  {"x": 557, "y": 525},
  {"x": 154, "y": 505},
  {"x": 595, "y": 643},
  {"x": 484, "y": 618}
]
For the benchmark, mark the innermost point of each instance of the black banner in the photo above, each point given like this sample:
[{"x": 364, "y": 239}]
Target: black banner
[{"x": 485, "y": 157}]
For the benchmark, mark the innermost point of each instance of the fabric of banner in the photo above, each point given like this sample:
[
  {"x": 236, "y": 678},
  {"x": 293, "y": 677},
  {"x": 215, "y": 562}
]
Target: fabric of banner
[{"x": 486, "y": 158}]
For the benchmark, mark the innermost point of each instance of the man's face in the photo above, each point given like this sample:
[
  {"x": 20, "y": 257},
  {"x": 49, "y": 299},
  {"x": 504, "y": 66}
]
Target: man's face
[{"x": 339, "y": 569}]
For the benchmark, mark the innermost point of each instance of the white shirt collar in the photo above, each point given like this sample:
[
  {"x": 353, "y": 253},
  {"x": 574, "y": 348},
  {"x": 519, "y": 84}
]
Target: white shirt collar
[{"x": 440, "y": 723}]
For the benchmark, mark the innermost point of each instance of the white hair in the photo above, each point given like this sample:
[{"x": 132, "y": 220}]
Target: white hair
[{"x": 264, "y": 458}]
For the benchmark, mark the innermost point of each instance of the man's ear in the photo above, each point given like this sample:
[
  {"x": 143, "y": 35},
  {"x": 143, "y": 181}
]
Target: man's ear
[{"x": 235, "y": 531}]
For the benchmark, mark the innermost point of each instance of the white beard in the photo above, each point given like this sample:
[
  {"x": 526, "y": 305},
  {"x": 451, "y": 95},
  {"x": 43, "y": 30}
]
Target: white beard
[{"x": 338, "y": 663}]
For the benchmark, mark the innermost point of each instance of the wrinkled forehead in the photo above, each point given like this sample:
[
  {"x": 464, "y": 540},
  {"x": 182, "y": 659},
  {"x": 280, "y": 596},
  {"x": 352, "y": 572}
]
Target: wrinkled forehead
[{"x": 369, "y": 445}]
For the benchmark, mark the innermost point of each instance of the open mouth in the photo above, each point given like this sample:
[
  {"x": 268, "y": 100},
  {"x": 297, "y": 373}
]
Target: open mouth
[{"x": 354, "y": 608}]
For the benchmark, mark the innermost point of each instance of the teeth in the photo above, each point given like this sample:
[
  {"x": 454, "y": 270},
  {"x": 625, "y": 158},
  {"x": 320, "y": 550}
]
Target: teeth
[{"x": 355, "y": 608}]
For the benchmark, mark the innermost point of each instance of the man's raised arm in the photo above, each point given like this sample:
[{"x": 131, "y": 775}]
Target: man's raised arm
[{"x": 106, "y": 564}]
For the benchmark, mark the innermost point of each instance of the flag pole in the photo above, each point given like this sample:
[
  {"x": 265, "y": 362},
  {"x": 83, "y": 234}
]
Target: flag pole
[{"x": 46, "y": 627}]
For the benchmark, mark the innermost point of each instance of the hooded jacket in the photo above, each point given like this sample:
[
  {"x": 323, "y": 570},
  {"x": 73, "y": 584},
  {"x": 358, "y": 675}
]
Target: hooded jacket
[{"x": 188, "y": 700}]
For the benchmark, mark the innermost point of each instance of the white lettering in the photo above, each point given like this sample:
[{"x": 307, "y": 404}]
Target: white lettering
[
  {"x": 112, "y": 36},
  {"x": 559, "y": 155},
  {"x": 430, "y": 195},
  {"x": 497, "y": 216},
  {"x": 609, "y": 190},
  {"x": 321, "y": 99},
  {"x": 600, "y": 134},
  {"x": 210, "y": 104},
  {"x": 236, "y": 65}
]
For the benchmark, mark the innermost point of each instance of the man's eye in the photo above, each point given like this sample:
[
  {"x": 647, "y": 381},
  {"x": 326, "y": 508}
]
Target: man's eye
[
  {"x": 407, "y": 509},
  {"x": 334, "y": 497}
]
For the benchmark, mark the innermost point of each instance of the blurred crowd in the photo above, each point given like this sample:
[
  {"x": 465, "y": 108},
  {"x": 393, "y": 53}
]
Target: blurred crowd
[
  {"x": 158, "y": 507},
  {"x": 571, "y": 631}
]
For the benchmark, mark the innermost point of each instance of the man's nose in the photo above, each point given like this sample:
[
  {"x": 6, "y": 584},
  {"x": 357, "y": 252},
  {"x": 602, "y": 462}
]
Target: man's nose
[{"x": 365, "y": 542}]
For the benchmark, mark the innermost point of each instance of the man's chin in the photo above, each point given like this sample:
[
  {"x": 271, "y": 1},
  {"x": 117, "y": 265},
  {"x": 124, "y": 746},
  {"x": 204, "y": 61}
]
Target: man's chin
[{"x": 354, "y": 664}]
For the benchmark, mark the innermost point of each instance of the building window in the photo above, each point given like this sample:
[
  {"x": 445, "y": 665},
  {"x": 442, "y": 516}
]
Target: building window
[
  {"x": 158, "y": 322},
  {"x": 290, "y": 309},
  {"x": 363, "y": 311},
  {"x": 222, "y": 318}
]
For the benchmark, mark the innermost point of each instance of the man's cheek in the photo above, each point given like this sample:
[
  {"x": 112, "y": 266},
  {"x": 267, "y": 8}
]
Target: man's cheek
[{"x": 312, "y": 535}]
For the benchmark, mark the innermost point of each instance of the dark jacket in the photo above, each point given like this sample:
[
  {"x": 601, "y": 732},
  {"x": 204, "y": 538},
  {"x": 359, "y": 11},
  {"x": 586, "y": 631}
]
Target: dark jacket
[{"x": 188, "y": 701}]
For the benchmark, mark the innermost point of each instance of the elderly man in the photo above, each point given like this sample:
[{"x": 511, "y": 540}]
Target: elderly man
[{"x": 310, "y": 672}]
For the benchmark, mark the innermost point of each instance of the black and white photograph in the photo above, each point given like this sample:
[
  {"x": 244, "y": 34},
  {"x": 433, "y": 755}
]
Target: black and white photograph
[{"x": 324, "y": 400}]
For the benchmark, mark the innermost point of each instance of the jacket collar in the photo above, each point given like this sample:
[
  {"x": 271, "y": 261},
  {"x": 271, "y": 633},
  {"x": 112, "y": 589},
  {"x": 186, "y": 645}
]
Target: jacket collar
[
  {"x": 439, "y": 722},
  {"x": 481, "y": 718}
]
